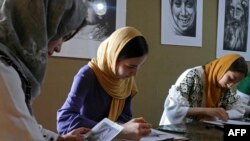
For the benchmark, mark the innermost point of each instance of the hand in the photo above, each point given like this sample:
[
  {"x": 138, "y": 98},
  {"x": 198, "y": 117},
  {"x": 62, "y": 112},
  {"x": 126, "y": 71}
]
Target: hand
[
  {"x": 135, "y": 129},
  {"x": 218, "y": 113},
  {"x": 74, "y": 135}
]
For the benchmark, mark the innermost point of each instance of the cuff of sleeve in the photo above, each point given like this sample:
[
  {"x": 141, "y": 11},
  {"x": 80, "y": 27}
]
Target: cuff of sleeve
[
  {"x": 234, "y": 114},
  {"x": 49, "y": 135}
]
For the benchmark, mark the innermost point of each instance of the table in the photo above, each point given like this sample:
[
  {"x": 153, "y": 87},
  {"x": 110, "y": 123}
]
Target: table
[{"x": 199, "y": 131}]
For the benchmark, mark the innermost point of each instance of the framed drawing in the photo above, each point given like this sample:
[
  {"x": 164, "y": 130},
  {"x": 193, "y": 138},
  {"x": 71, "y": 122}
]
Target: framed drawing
[
  {"x": 99, "y": 26},
  {"x": 233, "y": 31},
  {"x": 181, "y": 22}
]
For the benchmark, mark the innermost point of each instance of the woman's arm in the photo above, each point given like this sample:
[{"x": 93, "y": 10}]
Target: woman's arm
[
  {"x": 186, "y": 93},
  {"x": 175, "y": 108},
  {"x": 70, "y": 115},
  {"x": 236, "y": 109},
  {"x": 204, "y": 113},
  {"x": 135, "y": 129},
  {"x": 15, "y": 116}
]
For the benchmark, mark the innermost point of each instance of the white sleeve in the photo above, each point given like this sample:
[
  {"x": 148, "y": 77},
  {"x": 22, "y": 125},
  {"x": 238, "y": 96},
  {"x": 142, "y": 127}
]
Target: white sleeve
[
  {"x": 48, "y": 135},
  {"x": 239, "y": 108},
  {"x": 15, "y": 117},
  {"x": 175, "y": 108}
]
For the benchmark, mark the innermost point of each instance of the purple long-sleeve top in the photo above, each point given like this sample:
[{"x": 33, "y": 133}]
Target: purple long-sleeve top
[{"x": 87, "y": 103}]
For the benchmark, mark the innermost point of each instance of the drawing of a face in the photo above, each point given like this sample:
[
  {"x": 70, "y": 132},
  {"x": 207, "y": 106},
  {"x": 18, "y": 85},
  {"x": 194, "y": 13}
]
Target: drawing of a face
[
  {"x": 236, "y": 10},
  {"x": 184, "y": 13},
  {"x": 236, "y": 25}
]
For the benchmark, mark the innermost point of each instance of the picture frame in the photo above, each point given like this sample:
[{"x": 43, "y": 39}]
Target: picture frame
[
  {"x": 83, "y": 44},
  {"x": 177, "y": 29},
  {"x": 233, "y": 32}
]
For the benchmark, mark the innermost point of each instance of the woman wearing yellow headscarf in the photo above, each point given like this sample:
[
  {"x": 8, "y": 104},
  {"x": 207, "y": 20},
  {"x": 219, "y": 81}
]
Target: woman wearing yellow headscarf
[
  {"x": 205, "y": 92},
  {"x": 105, "y": 86}
]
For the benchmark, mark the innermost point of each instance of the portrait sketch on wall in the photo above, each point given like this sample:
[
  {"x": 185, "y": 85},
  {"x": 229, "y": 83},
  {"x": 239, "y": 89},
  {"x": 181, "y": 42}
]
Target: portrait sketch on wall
[
  {"x": 233, "y": 31},
  {"x": 99, "y": 25},
  {"x": 181, "y": 22}
]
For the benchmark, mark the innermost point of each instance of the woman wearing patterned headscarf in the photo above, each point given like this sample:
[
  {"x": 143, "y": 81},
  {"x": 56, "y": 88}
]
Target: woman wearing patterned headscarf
[
  {"x": 105, "y": 86},
  {"x": 27, "y": 31},
  {"x": 205, "y": 92}
]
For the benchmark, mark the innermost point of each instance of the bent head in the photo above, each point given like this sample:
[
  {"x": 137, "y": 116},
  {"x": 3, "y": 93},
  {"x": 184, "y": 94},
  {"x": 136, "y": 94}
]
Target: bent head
[
  {"x": 236, "y": 72},
  {"x": 131, "y": 57},
  {"x": 122, "y": 54},
  {"x": 55, "y": 45},
  {"x": 230, "y": 78},
  {"x": 129, "y": 67}
]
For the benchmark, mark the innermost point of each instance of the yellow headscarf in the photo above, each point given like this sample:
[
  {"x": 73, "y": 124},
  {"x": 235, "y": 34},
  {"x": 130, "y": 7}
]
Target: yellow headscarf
[
  {"x": 104, "y": 67},
  {"x": 214, "y": 72}
]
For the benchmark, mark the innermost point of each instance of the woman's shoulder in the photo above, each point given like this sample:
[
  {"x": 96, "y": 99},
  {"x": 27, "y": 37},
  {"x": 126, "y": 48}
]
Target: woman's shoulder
[
  {"x": 86, "y": 76},
  {"x": 195, "y": 72},
  {"x": 198, "y": 70},
  {"x": 86, "y": 71}
]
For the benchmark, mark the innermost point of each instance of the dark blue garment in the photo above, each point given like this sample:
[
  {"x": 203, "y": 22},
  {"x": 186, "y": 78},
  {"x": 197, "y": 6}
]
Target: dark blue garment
[{"x": 87, "y": 104}]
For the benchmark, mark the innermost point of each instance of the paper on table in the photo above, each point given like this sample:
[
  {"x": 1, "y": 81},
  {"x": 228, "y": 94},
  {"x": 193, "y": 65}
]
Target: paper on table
[
  {"x": 157, "y": 135},
  {"x": 105, "y": 130},
  {"x": 237, "y": 122},
  {"x": 221, "y": 123}
]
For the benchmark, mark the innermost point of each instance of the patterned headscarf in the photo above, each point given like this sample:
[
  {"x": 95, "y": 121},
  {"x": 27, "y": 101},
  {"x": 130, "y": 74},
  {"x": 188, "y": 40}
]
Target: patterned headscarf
[
  {"x": 104, "y": 67},
  {"x": 214, "y": 72},
  {"x": 27, "y": 26}
]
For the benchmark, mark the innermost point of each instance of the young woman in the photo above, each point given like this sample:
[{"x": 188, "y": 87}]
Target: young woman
[
  {"x": 205, "y": 92},
  {"x": 105, "y": 86},
  {"x": 27, "y": 29}
]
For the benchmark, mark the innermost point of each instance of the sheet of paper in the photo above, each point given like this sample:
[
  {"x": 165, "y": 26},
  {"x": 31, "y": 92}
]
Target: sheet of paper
[
  {"x": 237, "y": 122},
  {"x": 215, "y": 122},
  {"x": 157, "y": 135},
  {"x": 105, "y": 130},
  {"x": 221, "y": 123}
]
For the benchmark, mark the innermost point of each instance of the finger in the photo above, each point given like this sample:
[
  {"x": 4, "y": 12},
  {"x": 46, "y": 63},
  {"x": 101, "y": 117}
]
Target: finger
[
  {"x": 222, "y": 115},
  {"x": 145, "y": 125},
  {"x": 84, "y": 131},
  {"x": 140, "y": 119},
  {"x": 145, "y": 132},
  {"x": 81, "y": 130}
]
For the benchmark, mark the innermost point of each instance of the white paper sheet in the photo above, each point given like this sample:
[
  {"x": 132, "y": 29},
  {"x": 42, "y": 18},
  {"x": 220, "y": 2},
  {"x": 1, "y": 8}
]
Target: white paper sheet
[
  {"x": 105, "y": 130},
  {"x": 221, "y": 123},
  {"x": 157, "y": 135}
]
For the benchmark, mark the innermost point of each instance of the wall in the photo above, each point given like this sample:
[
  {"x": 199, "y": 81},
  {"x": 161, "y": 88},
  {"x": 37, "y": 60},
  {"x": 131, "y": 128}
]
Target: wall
[{"x": 164, "y": 65}]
